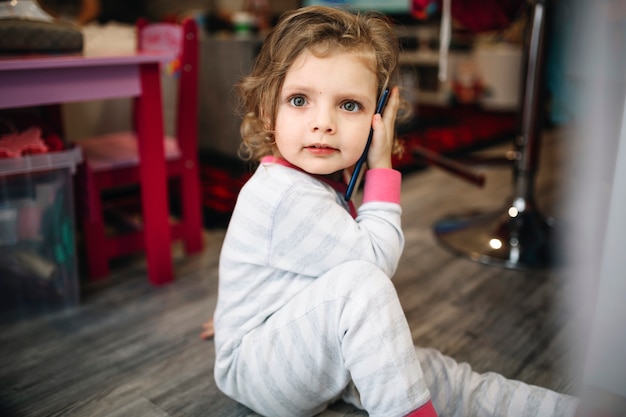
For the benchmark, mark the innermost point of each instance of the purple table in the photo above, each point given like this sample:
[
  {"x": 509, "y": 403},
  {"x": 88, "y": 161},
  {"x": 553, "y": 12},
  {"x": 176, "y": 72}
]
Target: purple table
[{"x": 39, "y": 80}]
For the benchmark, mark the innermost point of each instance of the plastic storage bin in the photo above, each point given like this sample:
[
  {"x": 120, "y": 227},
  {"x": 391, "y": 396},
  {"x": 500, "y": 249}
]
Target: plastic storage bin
[{"x": 38, "y": 265}]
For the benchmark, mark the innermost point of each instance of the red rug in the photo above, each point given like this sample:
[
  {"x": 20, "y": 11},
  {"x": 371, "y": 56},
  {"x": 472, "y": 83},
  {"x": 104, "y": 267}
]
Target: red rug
[{"x": 454, "y": 131}]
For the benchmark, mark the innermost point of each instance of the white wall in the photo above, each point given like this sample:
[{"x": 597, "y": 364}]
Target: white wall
[
  {"x": 595, "y": 239},
  {"x": 606, "y": 358}
]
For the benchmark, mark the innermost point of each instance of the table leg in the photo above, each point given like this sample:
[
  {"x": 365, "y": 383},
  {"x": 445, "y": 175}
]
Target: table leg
[{"x": 152, "y": 172}]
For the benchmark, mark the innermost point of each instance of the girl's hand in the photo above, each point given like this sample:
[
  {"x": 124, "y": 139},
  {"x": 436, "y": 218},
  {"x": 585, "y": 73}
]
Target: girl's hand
[{"x": 379, "y": 155}]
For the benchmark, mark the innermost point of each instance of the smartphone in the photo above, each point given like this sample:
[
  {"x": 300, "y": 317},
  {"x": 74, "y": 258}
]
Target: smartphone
[{"x": 359, "y": 164}]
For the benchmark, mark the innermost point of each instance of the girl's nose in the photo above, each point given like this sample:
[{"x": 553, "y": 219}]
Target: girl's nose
[{"x": 324, "y": 120}]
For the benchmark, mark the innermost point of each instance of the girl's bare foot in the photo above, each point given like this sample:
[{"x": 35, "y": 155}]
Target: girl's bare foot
[{"x": 208, "y": 331}]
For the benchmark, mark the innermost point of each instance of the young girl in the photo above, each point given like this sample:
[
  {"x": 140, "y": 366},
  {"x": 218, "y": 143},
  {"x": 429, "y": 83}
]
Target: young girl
[{"x": 307, "y": 313}]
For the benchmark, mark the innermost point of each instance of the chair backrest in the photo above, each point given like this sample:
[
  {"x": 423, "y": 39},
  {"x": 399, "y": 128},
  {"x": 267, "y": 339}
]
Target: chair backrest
[{"x": 182, "y": 39}]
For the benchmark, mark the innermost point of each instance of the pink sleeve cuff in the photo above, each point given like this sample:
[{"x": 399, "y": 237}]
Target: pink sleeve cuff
[
  {"x": 382, "y": 184},
  {"x": 427, "y": 410}
]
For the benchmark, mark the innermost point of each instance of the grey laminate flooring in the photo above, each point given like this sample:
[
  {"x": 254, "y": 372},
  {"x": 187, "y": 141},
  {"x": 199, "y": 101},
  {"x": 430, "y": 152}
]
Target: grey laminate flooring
[{"x": 132, "y": 349}]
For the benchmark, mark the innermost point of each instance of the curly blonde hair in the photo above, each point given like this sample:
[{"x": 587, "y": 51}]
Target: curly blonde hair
[{"x": 321, "y": 31}]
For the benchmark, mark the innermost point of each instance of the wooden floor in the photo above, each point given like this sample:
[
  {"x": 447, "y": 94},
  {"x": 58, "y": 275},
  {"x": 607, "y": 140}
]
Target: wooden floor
[{"x": 131, "y": 349}]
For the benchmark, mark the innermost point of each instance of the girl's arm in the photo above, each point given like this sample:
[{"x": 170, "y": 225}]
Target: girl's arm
[{"x": 312, "y": 232}]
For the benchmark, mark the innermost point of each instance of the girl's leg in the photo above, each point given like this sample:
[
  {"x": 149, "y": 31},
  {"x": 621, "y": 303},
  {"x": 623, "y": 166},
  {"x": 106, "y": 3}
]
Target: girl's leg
[
  {"x": 346, "y": 327},
  {"x": 457, "y": 391}
]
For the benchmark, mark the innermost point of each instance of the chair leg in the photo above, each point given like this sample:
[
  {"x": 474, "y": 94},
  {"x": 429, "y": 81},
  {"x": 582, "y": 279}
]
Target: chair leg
[
  {"x": 97, "y": 261},
  {"x": 95, "y": 242},
  {"x": 192, "y": 209},
  {"x": 92, "y": 221}
]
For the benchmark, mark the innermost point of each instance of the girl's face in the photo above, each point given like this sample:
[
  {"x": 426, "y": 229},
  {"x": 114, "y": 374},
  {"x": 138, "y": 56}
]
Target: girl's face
[{"x": 325, "y": 112}]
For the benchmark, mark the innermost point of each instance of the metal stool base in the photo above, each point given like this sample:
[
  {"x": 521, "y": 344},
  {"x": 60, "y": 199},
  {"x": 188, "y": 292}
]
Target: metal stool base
[{"x": 524, "y": 241}]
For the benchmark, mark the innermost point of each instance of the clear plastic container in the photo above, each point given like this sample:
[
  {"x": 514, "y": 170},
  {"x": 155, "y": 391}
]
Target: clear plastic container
[{"x": 38, "y": 261}]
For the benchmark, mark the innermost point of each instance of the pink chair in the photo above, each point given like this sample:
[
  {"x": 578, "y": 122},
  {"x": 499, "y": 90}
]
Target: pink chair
[{"x": 111, "y": 160}]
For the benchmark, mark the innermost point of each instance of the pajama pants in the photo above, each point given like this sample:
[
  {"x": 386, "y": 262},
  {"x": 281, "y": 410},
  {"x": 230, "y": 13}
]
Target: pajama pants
[{"x": 345, "y": 336}]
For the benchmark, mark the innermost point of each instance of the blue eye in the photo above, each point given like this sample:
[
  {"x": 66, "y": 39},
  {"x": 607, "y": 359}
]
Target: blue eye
[
  {"x": 297, "y": 101},
  {"x": 351, "y": 106}
]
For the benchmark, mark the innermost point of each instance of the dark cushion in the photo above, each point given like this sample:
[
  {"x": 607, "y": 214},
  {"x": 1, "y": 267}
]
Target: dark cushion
[{"x": 35, "y": 36}]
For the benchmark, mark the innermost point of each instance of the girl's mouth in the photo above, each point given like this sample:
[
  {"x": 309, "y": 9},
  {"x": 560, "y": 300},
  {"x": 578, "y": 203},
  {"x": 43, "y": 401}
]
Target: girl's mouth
[{"x": 321, "y": 150}]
